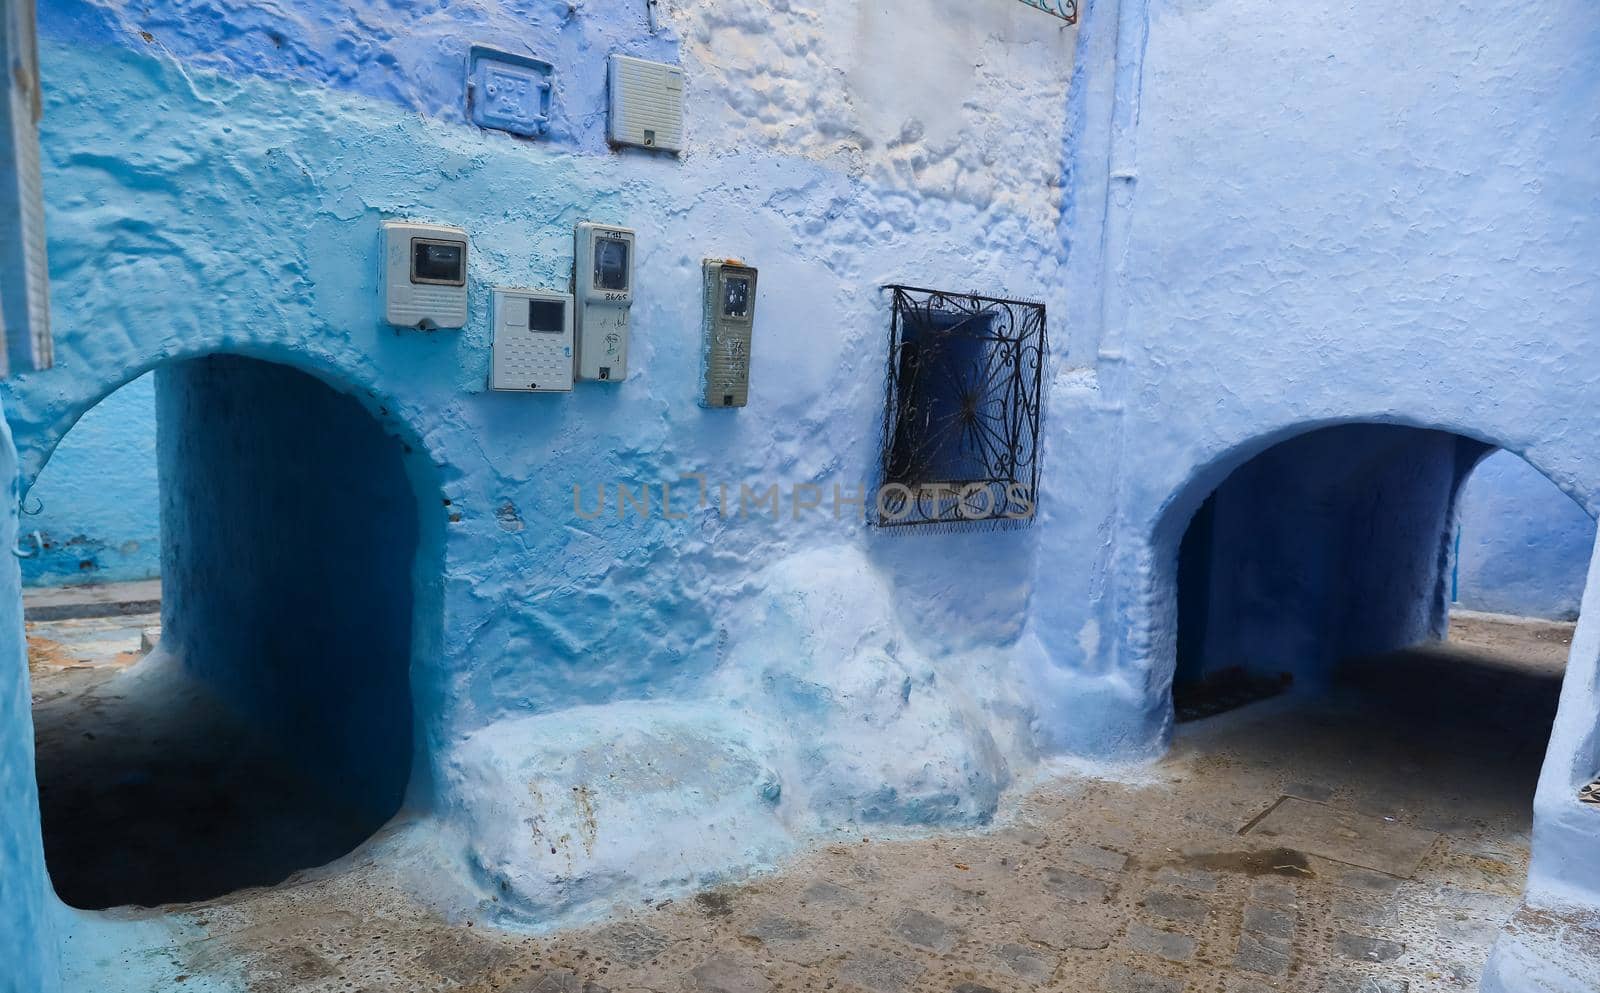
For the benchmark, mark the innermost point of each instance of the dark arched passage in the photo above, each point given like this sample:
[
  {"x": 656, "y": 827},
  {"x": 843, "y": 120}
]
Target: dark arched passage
[
  {"x": 1331, "y": 544},
  {"x": 1408, "y": 748},
  {"x": 271, "y": 730}
]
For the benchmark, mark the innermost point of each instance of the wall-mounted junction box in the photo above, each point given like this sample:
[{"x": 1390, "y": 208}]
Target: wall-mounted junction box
[
  {"x": 424, "y": 275},
  {"x": 509, "y": 92},
  {"x": 532, "y": 346},
  {"x": 646, "y": 104},
  {"x": 730, "y": 316},
  {"x": 602, "y": 276}
]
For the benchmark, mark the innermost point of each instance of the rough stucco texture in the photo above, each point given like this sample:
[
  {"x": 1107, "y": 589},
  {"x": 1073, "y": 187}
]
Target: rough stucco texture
[
  {"x": 832, "y": 674},
  {"x": 1315, "y": 224},
  {"x": 1523, "y": 545}
]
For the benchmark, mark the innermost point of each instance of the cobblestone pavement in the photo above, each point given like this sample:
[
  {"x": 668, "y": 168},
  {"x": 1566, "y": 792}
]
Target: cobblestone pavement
[{"x": 1251, "y": 859}]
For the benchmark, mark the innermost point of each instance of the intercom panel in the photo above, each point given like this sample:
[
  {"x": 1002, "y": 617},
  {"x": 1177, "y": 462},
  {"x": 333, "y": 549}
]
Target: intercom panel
[
  {"x": 532, "y": 346},
  {"x": 602, "y": 276},
  {"x": 646, "y": 104},
  {"x": 424, "y": 275},
  {"x": 730, "y": 317}
]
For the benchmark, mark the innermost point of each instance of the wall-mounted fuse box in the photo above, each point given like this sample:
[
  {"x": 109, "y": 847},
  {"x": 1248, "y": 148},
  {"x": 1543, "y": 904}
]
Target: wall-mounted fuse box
[
  {"x": 730, "y": 316},
  {"x": 532, "y": 346},
  {"x": 646, "y": 104},
  {"x": 424, "y": 275},
  {"x": 602, "y": 277}
]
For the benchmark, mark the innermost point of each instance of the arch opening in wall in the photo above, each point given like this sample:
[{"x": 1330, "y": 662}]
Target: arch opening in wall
[
  {"x": 1315, "y": 643},
  {"x": 270, "y": 728},
  {"x": 1521, "y": 545}
]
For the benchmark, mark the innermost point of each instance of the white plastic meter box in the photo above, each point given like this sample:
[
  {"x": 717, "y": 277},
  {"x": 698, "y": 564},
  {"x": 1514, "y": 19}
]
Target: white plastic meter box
[
  {"x": 602, "y": 277},
  {"x": 424, "y": 275},
  {"x": 532, "y": 346},
  {"x": 646, "y": 104},
  {"x": 730, "y": 316}
]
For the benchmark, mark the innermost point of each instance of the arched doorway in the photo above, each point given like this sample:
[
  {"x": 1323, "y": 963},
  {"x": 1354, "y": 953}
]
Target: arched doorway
[
  {"x": 1521, "y": 546},
  {"x": 1315, "y": 655},
  {"x": 270, "y": 730}
]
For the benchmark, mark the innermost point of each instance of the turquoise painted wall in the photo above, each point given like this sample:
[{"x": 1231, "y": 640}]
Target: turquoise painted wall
[
  {"x": 93, "y": 514},
  {"x": 243, "y": 218},
  {"x": 30, "y": 949}
]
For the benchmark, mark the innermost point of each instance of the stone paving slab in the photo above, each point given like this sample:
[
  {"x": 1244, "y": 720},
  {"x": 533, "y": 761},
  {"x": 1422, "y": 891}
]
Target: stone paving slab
[
  {"x": 1372, "y": 842},
  {"x": 92, "y": 600}
]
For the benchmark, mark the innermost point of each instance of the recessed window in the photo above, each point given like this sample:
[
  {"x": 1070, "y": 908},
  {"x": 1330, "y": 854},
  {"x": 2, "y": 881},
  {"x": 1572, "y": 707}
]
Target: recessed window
[{"x": 963, "y": 408}]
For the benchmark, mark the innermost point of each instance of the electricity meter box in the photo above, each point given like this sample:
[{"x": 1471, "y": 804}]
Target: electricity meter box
[
  {"x": 646, "y": 104},
  {"x": 424, "y": 275},
  {"x": 532, "y": 346},
  {"x": 730, "y": 316},
  {"x": 602, "y": 276}
]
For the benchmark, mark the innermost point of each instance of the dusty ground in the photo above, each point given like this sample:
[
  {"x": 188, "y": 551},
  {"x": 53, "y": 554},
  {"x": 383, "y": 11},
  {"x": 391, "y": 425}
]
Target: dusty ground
[{"x": 1370, "y": 840}]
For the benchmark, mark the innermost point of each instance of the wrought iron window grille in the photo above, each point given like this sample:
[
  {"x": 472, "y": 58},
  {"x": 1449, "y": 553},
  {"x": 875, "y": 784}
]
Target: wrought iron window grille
[
  {"x": 963, "y": 407},
  {"x": 1067, "y": 10}
]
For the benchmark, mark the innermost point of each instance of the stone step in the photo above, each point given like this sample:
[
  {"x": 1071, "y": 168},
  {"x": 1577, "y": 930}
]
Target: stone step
[{"x": 97, "y": 600}]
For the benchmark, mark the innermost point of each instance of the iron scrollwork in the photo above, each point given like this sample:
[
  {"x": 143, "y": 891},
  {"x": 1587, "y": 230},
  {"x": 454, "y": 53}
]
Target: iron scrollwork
[
  {"x": 963, "y": 410},
  {"x": 1067, "y": 10}
]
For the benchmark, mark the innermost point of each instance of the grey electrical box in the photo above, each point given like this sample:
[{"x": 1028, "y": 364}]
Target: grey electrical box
[
  {"x": 730, "y": 316},
  {"x": 602, "y": 283},
  {"x": 646, "y": 104}
]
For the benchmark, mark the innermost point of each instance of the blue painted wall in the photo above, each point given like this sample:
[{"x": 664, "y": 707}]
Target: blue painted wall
[
  {"x": 1280, "y": 224},
  {"x": 1523, "y": 545},
  {"x": 243, "y": 218},
  {"x": 94, "y": 512},
  {"x": 1249, "y": 220},
  {"x": 413, "y": 58},
  {"x": 30, "y": 951},
  {"x": 1287, "y": 216}
]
